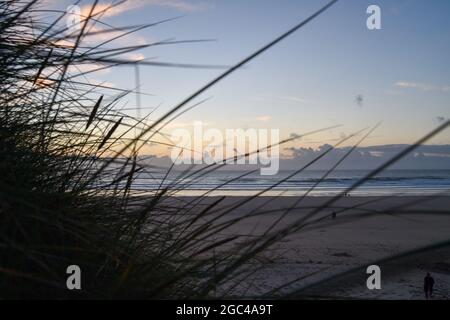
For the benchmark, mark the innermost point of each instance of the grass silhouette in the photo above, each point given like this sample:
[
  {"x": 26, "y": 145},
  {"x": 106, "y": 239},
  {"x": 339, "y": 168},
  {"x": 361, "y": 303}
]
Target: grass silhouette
[{"x": 69, "y": 157}]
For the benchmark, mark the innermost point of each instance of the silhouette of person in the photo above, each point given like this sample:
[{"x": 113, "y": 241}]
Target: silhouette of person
[
  {"x": 333, "y": 215},
  {"x": 428, "y": 283}
]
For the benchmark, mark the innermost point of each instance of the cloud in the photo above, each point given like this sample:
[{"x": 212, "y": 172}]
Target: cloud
[
  {"x": 293, "y": 99},
  {"x": 108, "y": 9},
  {"x": 180, "y": 5},
  {"x": 440, "y": 119},
  {"x": 422, "y": 86},
  {"x": 95, "y": 35},
  {"x": 264, "y": 118},
  {"x": 43, "y": 82},
  {"x": 424, "y": 157},
  {"x": 102, "y": 83},
  {"x": 102, "y": 10},
  {"x": 134, "y": 56},
  {"x": 115, "y": 8},
  {"x": 81, "y": 68}
]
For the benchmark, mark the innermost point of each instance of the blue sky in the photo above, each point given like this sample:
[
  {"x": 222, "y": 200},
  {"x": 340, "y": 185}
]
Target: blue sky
[{"x": 308, "y": 81}]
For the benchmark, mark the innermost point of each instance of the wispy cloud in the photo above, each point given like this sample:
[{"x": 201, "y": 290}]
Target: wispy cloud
[
  {"x": 105, "y": 9},
  {"x": 96, "y": 35},
  {"x": 264, "y": 118},
  {"x": 293, "y": 99},
  {"x": 114, "y": 8},
  {"x": 108, "y": 9},
  {"x": 180, "y": 5},
  {"x": 134, "y": 56},
  {"x": 98, "y": 69},
  {"x": 102, "y": 83},
  {"x": 422, "y": 86}
]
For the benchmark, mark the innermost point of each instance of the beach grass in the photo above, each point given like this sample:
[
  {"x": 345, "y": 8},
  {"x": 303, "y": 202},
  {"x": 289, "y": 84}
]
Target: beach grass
[{"x": 69, "y": 156}]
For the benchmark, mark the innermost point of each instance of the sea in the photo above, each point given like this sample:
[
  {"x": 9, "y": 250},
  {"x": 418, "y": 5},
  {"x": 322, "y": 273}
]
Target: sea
[{"x": 285, "y": 183}]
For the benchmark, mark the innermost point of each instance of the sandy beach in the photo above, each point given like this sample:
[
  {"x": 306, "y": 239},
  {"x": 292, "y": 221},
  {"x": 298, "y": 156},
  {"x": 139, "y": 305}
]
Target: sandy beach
[{"x": 373, "y": 228}]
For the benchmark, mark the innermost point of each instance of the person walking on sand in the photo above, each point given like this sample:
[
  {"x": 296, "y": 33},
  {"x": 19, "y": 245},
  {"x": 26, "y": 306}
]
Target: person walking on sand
[{"x": 428, "y": 283}]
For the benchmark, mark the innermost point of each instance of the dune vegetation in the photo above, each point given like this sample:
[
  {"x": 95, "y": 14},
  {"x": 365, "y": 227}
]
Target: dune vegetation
[{"x": 68, "y": 159}]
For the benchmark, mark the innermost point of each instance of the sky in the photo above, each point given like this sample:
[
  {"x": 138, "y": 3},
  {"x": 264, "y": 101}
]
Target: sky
[{"x": 334, "y": 71}]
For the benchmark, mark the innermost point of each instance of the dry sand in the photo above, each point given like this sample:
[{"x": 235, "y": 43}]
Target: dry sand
[{"x": 350, "y": 240}]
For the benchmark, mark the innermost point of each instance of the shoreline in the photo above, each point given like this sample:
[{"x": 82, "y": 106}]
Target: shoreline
[{"x": 299, "y": 193}]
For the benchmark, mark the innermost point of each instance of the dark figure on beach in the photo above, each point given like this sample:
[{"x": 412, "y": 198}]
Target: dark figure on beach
[
  {"x": 333, "y": 215},
  {"x": 428, "y": 283}
]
